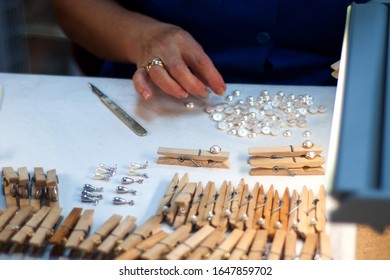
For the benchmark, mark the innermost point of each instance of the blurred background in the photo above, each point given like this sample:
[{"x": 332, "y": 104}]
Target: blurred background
[{"x": 31, "y": 41}]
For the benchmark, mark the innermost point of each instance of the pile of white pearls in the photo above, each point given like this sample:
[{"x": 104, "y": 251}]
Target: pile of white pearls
[{"x": 264, "y": 115}]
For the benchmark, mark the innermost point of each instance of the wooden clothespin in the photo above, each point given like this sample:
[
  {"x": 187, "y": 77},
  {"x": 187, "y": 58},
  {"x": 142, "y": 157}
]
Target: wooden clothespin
[
  {"x": 61, "y": 234},
  {"x": 240, "y": 251},
  {"x": 320, "y": 210},
  {"x": 309, "y": 247},
  {"x": 206, "y": 247},
  {"x": 24, "y": 186},
  {"x": 277, "y": 245},
  {"x": 206, "y": 205},
  {"x": 171, "y": 208},
  {"x": 193, "y": 158},
  {"x": 37, "y": 188},
  {"x": 10, "y": 187},
  {"x": 242, "y": 215},
  {"x": 15, "y": 224},
  {"x": 46, "y": 228},
  {"x": 304, "y": 160},
  {"x": 89, "y": 244},
  {"x": 236, "y": 202},
  {"x": 224, "y": 249},
  {"x": 279, "y": 212},
  {"x": 183, "y": 204},
  {"x": 219, "y": 218},
  {"x": 189, "y": 245},
  {"x": 263, "y": 208},
  {"x": 166, "y": 245},
  {"x": 52, "y": 188},
  {"x": 7, "y": 215},
  {"x": 165, "y": 204},
  {"x": 325, "y": 248},
  {"x": 28, "y": 230},
  {"x": 117, "y": 235},
  {"x": 257, "y": 250},
  {"x": 250, "y": 223},
  {"x": 302, "y": 225},
  {"x": 193, "y": 211},
  {"x": 135, "y": 252},
  {"x": 80, "y": 230},
  {"x": 291, "y": 235},
  {"x": 311, "y": 212},
  {"x": 147, "y": 229}
]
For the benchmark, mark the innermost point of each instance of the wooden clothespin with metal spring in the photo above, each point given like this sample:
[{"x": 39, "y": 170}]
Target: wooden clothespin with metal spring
[
  {"x": 194, "y": 206},
  {"x": 279, "y": 212},
  {"x": 167, "y": 244},
  {"x": 304, "y": 160},
  {"x": 15, "y": 224},
  {"x": 206, "y": 206},
  {"x": 263, "y": 208},
  {"x": 222, "y": 206},
  {"x": 46, "y": 228},
  {"x": 193, "y": 158},
  {"x": 225, "y": 248},
  {"x": 28, "y": 230},
  {"x": 206, "y": 247},
  {"x": 250, "y": 223},
  {"x": 95, "y": 239},
  {"x": 171, "y": 208},
  {"x": 24, "y": 186},
  {"x": 165, "y": 204},
  {"x": 135, "y": 252},
  {"x": 80, "y": 230},
  {"x": 183, "y": 204},
  {"x": 38, "y": 187},
  {"x": 144, "y": 231},
  {"x": 189, "y": 245},
  {"x": 117, "y": 235},
  {"x": 10, "y": 187},
  {"x": 325, "y": 248},
  {"x": 60, "y": 236},
  {"x": 237, "y": 198},
  {"x": 291, "y": 235},
  {"x": 52, "y": 187}
]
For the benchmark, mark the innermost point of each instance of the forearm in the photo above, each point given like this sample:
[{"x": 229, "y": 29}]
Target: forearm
[{"x": 103, "y": 27}]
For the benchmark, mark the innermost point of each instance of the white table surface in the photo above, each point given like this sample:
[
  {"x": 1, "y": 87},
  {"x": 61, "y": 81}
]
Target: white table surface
[{"x": 56, "y": 122}]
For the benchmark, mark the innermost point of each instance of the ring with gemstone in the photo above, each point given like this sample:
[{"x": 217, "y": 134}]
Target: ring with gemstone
[{"x": 153, "y": 62}]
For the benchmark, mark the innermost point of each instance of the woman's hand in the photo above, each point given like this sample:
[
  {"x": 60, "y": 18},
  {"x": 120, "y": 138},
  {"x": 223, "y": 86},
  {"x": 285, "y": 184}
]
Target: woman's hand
[{"x": 172, "y": 60}]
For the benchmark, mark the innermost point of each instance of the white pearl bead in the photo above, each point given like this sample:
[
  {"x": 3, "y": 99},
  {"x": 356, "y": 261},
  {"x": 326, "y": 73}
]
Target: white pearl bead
[
  {"x": 307, "y": 144},
  {"x": 215, "y": 149},
  {"x": 287, "y": 133}
]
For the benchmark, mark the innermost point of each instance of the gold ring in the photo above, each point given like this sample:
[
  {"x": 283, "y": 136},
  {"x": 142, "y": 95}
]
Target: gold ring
[{"x": 153, "y": 62}]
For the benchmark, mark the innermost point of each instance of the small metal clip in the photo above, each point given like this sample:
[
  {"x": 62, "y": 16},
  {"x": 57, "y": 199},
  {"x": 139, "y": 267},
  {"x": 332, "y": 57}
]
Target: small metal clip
[
  {"x": 135, "y": 173},
  {"x": 135, "y": 165},
  {"x": 119, "y": 201},
  {"x": 91, "y": 194},
  {"x": 91, "y": 188},
  {"x": 276, "y": 169},
  {"x": 89, "y": 199},
  {"x": 123, "y": 189},
  {"x": 181, "y": 159},
  {"x": 128, "y": 180}
]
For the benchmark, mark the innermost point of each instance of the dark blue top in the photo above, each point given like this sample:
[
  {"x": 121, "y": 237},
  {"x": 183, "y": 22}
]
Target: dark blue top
[{"x": 256, "y": 41}]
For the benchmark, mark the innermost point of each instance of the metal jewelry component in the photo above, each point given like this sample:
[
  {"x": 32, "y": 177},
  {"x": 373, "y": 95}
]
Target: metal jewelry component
[
  {"x": 123, "y": 189},
  {"x": 135, "y": 165},
  {"x": 155, "y": 61},
  {"x": 128, "y": 180},
  {"x": 119, "y": 201},
  {"x": 91, "y": 188},
  {"x": 307, "y": 144},
  {"x": 91, "y": 194},
  {"x": 136, "y": 173},
  {"x": 88, "y": 199},
  {"x": 189, "y": 105},
  {"x": 100, "y": 176},
  {"x": 215, "y": 149}
]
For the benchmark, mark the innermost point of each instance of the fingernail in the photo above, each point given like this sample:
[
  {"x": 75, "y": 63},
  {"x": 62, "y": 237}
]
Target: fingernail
[
  {"x": 220, "y": 90},
  {"x": 146, "y": 94}
]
